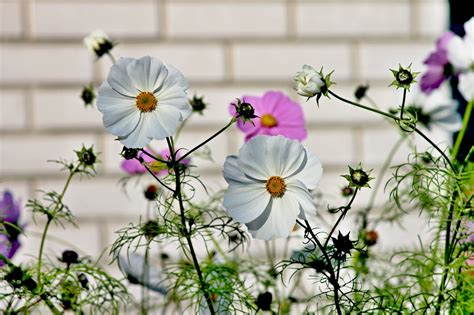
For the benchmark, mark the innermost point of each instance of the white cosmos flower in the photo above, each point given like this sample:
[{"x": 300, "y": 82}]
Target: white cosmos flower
[
  {"x": 308, "y": 82},
  {"x": 143, "y": 99},
  {"x": 269, "y": 185},
  {"x": 461, "y": 50},
  {"x": 98, "y": 42},
  {"x": 466, "y": 85},
  {"x": 436, "y": 110}
]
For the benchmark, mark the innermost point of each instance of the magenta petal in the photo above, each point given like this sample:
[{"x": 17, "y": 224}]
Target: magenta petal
[
  {"x": 432, "y": 79},
  {"x": 9, "y": 209},
  {"x": 443, "y": 40}
]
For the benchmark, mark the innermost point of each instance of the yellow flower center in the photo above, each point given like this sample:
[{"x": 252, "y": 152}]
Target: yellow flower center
[
  {"x": 268, "y": 120},
  {"x": 146, "y": 102},
  {"x": 276, "y": 186}
]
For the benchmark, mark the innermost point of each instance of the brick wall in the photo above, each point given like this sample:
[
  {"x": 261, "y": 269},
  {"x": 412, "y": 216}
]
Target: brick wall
[{"x": 225, "y": 48}]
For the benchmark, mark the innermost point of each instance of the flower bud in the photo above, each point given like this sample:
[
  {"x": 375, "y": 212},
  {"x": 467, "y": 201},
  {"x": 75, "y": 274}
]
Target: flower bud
[
  {"x": 404, "y": 77},
  {"x": 128, "y": 153},
  {"x": 370, "y": 237},
  {"x": 87, "y": 156},
  {"x": 264, "y": 301},
  {"x": 151, "y": 192},
  {"x": 99, "y": 43},
  {"x": 69, "y": 257},
  {"x": 347, "y": 191},
  {"x": 358, "y": 178},
  {"x": 197, "y": 104},
  {"x": 244, "y": 111},
  {"x": 88, "y": 95},
  {"x": 360, "y": 92},
  {"x": 308, "y": 82}
]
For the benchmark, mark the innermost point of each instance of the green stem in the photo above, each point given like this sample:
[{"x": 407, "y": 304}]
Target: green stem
[
  {"x": 364, "y": 107},
  {"x": 50, "y": 218},
  {"x": 343, "y": 214},
  {"x": 187, "y": 233},
  {"x": 332, "y": 276},
  {"x": 465, "y": 123},
  {"x": 403, "y": 103},
  {"x": 231, "y": 122}
]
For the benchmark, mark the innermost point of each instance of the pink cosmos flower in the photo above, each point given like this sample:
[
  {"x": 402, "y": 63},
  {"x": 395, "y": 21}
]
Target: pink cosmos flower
[
  {"x": 134, "y": 167},
  {"x": 9, "y": 216},
  {"x": 439, "y": 68},
  {"x": 277, "y": 115}
]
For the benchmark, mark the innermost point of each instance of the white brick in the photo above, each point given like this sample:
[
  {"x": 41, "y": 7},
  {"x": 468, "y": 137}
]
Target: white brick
[
  {"x": 59, "y": 19},
  {"x": 226, "y": 19},
  {"x": 44, "y": 63},
  {"x": 195, "y": 61},
  {"x": 334, "y": 147},
  {"x": 84, "y": 240},
  {"x": 377, "y": 144},
  {"x": 282, "y": 61},
  {"x": 12, "y": 110},
  {"x": 433, "y": 17},
  {"x": 63, "y": 109},
  {"x": 353, "y": 19},
  {"x": 101, "y": 198},
  {"x": 10, "y": 18},
  {"x": 377, "y": 59},
  {"x": 29, "y": 154}
]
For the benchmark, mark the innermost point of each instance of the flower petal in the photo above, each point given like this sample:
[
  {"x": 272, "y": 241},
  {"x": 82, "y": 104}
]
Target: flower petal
[
  {"x": 310, "y": 173},
  {"x": 119, "y": 79},
  {"x": 280, "y": 221},
  {"x": 138, "y": 137},
  {"x": 232, "y": 172},
  {"x": 245, "y": 203}
]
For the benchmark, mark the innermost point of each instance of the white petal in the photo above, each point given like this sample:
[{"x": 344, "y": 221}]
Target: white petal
[
  {"x": 175, "y": 96},
  {"x": 232, "y": 172},
  {"x": 466, "y": 86},
  {"x": 253, "y": 158},
  {"x": 175, "y": 77},
  {"x": 311, "y": 171},
  {"x": 119, "y": 79},
  {"x": 281, "y": 219},
  {"x": 245, "y": 203},
  {"x": 299, "y": 192},
  {"x": 458, "y": 54},
  {"x": 138, "y": 137},
  {"x": 147, "y": 73},
  {"x": 167, "y": 120},
  {"x": 109, "y": 100},
  {"x": 286, "y": 157}
]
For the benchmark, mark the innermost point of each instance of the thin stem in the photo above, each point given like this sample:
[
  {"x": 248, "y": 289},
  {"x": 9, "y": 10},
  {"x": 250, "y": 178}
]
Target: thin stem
[
  {"x": 231, "y": 122},
  {"x": 465, "y": 123},
  {"x": 403, "y": 103},
  {"x": 158, "y": 180},
  {"x": 343, "y": 214},
  {"x": 396, "y": 119},
  {"x": 187, "y": 233},
  {"x": 50, "y": 218},
  {"x": 112, "y": 58},
  {"x": 332, "y": 275},
  {"x": 364, "y": 107},
  {"x": 418, "y": 131},
  {"x": 152, "y": 156}
]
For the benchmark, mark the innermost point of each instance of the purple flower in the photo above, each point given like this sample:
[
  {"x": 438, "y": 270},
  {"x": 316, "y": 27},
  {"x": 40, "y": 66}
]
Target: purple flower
[
  {"x": 134, "y": 167},
  {"x": 9, "y": 229},
  {"x": 439, "y": 68},
  {"x": 277, "y": 115}
]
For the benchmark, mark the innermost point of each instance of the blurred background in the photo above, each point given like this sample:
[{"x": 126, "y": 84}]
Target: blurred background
[{"x": 226, "y": 49}]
